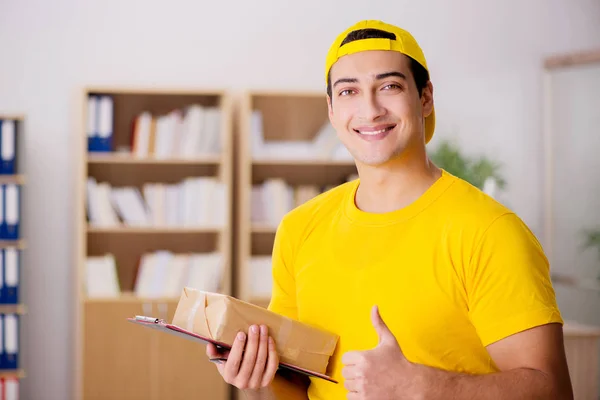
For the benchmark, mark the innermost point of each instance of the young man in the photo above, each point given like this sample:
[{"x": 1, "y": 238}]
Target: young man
[{"x": 436, "y": 290}]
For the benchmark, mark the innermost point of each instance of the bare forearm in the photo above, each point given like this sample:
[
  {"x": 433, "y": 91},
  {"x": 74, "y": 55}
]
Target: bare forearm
[{"x": 517, "y": 384}]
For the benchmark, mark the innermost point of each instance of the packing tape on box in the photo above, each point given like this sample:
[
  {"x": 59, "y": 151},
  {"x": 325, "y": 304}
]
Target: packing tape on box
[
  {"x": 200, "y": 302},
  {"x": 282, "y": 337}
]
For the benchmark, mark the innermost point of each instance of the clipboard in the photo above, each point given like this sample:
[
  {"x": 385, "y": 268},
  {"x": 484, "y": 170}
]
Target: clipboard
[{"x": 161, "y": 325}]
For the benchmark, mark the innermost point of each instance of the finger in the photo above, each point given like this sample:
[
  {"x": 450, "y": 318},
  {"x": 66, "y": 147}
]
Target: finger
[
  {"x": 211, "y": 350},
  {"x": 249, "y": 354},
  {"x": 213, "y": 353},
  {"x": 351, "y": 385},
  {"x": 350, "y": 372},
  {"x": 352, "y": 357},
  {"x": 272, "y": 363},
  {"x": 261, "y": 357},
  {"x": 232, "y": 366},
  {"x": 384, "y": 333}
]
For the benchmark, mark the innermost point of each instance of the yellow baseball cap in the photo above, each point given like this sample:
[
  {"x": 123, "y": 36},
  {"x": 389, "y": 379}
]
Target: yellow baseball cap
[{"x": 404, "y": 43}]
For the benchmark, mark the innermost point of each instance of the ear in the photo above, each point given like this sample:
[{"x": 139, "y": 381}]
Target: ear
[
  {"x": 427, "y": 99},
  {"x": 330, "y": 110}
]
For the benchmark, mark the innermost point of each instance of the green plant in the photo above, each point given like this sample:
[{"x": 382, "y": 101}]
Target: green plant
[
  {"x": 592, "y": 240},
  {"x": 473, "y": 170}
]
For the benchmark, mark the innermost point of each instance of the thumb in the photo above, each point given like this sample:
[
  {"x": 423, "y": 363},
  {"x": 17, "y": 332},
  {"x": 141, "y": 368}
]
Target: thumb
[{"x": 384, "y": 333}]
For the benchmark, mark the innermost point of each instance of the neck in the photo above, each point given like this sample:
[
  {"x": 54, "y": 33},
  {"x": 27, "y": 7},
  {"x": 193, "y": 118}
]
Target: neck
[{"x": 396, "y": 184}]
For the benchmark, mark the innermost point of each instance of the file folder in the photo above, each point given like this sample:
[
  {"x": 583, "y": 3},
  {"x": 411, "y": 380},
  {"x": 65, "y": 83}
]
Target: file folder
[
  {"x": 10, "y": 226},
  {"x": 161, "y": 325},
  {"x": 10, "y": 389},
  {"x": 10, "y": 275},
  {"x": 8, "y": 148},
  {"x": 2, "y": 274},
  {"x": 100, "y": 124},
  {"x": 9, "y": 329}
]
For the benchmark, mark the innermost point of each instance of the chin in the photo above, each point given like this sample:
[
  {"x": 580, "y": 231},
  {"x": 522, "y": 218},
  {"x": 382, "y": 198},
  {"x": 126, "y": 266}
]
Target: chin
[{"x": 373, "y": 160}]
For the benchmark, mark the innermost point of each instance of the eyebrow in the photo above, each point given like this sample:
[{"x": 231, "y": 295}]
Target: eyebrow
[{"x": 378, "y": 77}]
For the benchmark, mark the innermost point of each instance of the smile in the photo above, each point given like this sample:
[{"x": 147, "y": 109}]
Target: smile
[{"x": 374, "y": 131}]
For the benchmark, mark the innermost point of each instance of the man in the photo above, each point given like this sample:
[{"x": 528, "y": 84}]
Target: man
[{"x": 436, "y": 290}]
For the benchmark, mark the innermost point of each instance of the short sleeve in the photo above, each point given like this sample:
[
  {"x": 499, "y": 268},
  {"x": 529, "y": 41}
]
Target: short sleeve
[
  {"x": 283, "y": 295},
  {"x": 508, "y": 282}
]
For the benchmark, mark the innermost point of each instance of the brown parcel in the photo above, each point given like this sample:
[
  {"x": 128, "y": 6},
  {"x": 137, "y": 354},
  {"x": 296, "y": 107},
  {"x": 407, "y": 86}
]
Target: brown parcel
[{"x": 221, "y": 317}]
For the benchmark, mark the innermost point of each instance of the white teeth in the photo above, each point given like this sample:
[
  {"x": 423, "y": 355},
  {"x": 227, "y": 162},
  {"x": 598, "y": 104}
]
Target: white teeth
[{"x": 372, "y": 132}]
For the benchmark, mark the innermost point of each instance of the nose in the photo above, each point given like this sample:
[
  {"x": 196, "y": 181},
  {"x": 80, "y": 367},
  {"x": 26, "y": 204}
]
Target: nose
[{"x": 371, "y": 107}]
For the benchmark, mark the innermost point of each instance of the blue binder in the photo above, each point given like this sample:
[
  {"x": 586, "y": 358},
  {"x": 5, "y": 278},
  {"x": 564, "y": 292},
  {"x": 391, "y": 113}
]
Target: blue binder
[
  {"x": 100, "y": 124},
  {"x": 9, "y": 356},
  {"x": 10, "y": 260},
  {"x": 11, "y": 204},
  {"x": 8, "y": 146}
]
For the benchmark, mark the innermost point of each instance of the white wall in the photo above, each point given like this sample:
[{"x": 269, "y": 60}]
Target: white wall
[{"x": 485, "y": 59}]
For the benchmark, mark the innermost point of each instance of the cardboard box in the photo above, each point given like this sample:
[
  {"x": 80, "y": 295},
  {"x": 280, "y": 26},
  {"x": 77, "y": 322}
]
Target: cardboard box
[{"x": 221, "y": 317}]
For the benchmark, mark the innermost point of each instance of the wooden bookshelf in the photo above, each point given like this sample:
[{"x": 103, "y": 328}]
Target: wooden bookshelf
[
  {"x": 285, "y": 117},
  {"x": 114, "y": 358},
  {"x": 15, "y": 306},
  {"x": 14, "y": 374}
]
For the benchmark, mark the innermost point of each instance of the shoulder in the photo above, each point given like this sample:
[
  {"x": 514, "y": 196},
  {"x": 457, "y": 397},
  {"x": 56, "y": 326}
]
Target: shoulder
[
  {"x": 467, "y": 207},
  {"x": 462, "y": 199},
  {"x": 474, "y": 215}
]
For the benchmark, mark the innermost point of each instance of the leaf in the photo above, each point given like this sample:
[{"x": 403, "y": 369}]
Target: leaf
[{"x": 448, "y": 156}]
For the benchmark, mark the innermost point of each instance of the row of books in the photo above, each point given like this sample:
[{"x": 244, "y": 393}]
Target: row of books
[
  {"x": 195, "y": 202},
  {"x": 325, "y": 144},
  {"x": 186, "y": 132},
  {"x": 160, "y": 274},
  {"x": 164, "y": 274},
  {"x": 8, "y": 146},
  {"x": 10, "y": 257},
  {"x": 274, "y": 198},
  {"x": 182, "y": 133}
]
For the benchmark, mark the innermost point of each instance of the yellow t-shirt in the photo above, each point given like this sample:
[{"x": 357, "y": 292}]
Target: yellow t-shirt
[{"x": 451, "y": 273}]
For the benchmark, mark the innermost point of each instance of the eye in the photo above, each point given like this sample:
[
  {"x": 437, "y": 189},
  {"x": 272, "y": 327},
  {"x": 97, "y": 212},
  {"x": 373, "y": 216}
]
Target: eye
[
  {"x": 393, "y": 86},
  {"x": 345, "y": 92}
]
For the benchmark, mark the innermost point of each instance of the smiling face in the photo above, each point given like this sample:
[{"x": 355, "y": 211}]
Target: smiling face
[{"x": 376, "y": 108}]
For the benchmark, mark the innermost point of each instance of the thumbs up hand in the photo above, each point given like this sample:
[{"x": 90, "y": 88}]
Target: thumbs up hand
[{"x": 382, "y": 372}]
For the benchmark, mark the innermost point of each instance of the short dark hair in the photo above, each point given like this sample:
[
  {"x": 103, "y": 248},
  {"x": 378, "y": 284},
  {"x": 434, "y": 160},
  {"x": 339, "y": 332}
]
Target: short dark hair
[{"x": 420, "y": 74}]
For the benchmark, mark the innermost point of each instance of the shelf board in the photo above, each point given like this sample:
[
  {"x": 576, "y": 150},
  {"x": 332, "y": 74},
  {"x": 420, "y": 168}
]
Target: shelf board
[
  {"x": 130, "y": 297},
  {"x": 153, "y": 230},
  {"x": 159, "y": 91},
  {"x": 18, "y": 179},
  {"x": 20, "y": 244},
  {"x": 12, "y": 373},
  {"x": 16, "y": 117},
  {"x": 303, "y": 162},
  {"x": 300, "y": 172},
  {"x": 13, "y": 309},
  {"x": 128, "y": 159}
]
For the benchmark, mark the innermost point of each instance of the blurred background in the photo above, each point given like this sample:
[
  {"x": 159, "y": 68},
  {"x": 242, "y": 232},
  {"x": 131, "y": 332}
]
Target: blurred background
[{"x": 119, "y": 116}]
